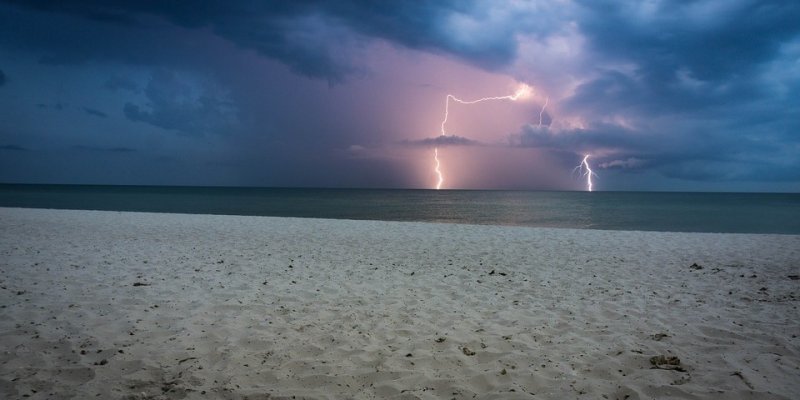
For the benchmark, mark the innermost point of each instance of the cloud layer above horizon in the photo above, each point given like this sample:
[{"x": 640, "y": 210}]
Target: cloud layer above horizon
[{"x": 664, "y": 95}]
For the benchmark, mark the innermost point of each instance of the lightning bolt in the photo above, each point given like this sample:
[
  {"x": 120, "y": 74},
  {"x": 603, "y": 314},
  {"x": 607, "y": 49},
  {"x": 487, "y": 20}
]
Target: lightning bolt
[
  {"x": 438, "y": 171},
  {"x": 541, "y": 113},
  {"x": 584, "y": 169},
  {"x": 523, "y": 91}
]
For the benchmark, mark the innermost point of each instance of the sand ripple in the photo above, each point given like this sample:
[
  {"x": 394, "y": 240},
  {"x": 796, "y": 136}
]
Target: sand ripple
[{"x": 270, "y": 308}]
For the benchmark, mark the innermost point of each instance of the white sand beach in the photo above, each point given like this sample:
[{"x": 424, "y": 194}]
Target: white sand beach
[{"x": 137, "y": 305}]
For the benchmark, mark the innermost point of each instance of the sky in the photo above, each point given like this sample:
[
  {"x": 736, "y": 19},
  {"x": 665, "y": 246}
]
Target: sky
[{"x": 673, "y": 95}]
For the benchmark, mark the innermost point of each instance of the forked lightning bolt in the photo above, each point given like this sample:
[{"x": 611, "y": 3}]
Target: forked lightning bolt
[
  {"x": 522, "y": 92},
  {"x": 586, "y": 171}
]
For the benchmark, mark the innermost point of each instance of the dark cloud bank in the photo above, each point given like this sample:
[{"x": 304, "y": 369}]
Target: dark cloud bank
[
  {"x": 442, "y": 141},
  {"x": 300, "y": 34},
  {"x": 694, "y": 90}
]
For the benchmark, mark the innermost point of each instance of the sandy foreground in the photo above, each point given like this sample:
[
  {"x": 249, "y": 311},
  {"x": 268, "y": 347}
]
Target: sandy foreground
[{"x": 138, "y": 305}]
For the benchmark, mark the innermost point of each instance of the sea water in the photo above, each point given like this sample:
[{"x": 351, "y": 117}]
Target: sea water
[{"x": 649, "y": 211}]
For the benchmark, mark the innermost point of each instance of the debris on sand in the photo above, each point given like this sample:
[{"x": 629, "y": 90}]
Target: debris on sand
[
  {"x": 744, "y": 380},
  {"x": 467, "y": 351},
  {"x": 696, "y": 266},
  {"x": 659, "y": 336},
  {"x": 666, "y": 362},
  {"x": 140, "y": 284}
]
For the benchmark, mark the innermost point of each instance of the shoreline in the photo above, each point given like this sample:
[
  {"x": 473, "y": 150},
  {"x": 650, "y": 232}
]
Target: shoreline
[
  {"x": 459, "y": 223},
  {"x": 158, "y": 305}
]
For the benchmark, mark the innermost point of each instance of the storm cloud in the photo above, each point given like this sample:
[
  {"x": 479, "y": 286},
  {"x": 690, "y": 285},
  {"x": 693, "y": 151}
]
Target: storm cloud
[
  {"x": 96, "y": 113},
  {"x": 182, "y": 106},
  {"x": 304, "y": 35},
  {"x": 443, "y": 141},
  {"x": 12, "y": 147},
  {"x": 260, "y": 93}
]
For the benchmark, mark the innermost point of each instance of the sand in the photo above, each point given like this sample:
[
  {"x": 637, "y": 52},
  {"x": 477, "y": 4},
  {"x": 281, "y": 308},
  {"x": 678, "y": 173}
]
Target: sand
[{"x": 139, "y": 305}]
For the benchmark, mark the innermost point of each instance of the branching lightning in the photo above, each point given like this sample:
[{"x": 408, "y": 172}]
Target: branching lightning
[
  {"x": 584, "y": 169},
  {"x": 522, "y": 92}
]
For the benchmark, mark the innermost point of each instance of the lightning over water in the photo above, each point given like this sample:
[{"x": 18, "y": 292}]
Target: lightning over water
[
  {"x": 523, "y": 91},
  {"x": 584, "y": 169},
  {"x": 438, "y": 171}
]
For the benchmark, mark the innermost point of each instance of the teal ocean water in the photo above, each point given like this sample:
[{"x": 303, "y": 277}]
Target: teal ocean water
[{"x": 650, "y": 211}]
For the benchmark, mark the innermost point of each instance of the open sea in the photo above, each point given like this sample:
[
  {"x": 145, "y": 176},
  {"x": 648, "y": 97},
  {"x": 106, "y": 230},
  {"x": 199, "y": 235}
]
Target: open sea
[{"x": 648, "y": 211}]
